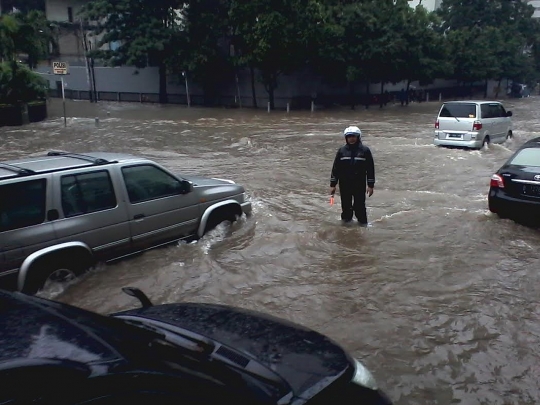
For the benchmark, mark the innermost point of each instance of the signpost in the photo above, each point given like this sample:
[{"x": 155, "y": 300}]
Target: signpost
[{"x": 61, "y": 68}]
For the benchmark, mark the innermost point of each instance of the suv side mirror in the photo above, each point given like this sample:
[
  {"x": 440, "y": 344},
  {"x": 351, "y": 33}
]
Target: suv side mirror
[
  {"x": 186, "y": 186},
  {"x": 509, "y": 113}
]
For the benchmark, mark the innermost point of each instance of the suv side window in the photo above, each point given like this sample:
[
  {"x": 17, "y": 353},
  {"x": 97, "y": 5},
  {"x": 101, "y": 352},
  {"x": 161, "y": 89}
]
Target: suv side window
[
  {"x": 87, "y": 192},
  {"x": 25, "y": 205},
  {"x": 147, "y": 182}
]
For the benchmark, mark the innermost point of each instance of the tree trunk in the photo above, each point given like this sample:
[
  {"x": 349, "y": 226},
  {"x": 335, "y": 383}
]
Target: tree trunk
[
  {"x": 486, "y": 89},
  {"x": 381, "y": 97},
  {"x": 162, "y": 83},
  {"x": 407, "y": 92},
  {"x": 271, "y": 96},
  {"x": 253, "y": 93},
  {"x": 368, "y": 96},
  {"x": 351, "y": 95},
  {"x": 498, "y": 88},
  {"x": 270, "y": 84}
]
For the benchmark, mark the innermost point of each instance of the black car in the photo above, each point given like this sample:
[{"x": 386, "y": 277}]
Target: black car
[
  {"x": 514, "y": 190},
  {"x": 186, "y": 353}
]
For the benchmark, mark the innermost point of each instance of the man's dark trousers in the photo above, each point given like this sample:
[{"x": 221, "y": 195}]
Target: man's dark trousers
[{"x": 357, "y": 193}]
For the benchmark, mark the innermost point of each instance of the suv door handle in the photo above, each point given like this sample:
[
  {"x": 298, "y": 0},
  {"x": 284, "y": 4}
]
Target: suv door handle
[{"x": 138, "y": 216}]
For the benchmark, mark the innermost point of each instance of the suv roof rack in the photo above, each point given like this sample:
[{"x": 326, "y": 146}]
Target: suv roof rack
[
  {"x": 94, "y": 160},
  {"x": 16, "y": 169}
]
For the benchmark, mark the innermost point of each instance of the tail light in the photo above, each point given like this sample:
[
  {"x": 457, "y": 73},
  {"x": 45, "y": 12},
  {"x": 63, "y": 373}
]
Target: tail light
[
  {"x": 496, "y": 181},
  {"x": 477, "y": 126},
  {"x": 437, "y": 124}
]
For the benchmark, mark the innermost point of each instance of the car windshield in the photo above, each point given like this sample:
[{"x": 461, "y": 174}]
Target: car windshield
[
  {"x": 458, "y": 110},
  {"x": 527, "y": 157}
]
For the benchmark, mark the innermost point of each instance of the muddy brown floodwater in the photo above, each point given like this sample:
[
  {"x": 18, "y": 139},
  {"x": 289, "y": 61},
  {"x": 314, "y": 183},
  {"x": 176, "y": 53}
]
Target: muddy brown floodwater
[{"x": 439, "y": 298}]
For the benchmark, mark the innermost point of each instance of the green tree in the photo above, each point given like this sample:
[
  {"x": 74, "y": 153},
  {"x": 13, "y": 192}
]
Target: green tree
[
  {"x": 9, "y": 26},
  {"x": 18, "y": 84},
  {"x": 146, "y": 31},
  {"x": 272, "y": 37},
  {"x": 490, "y": 39},
  {"x": 23, "y": 6},
  {"x": 363, "y": 41},
  {"x": 203, "y": 49},
  {"x": 426, "y": 55},
  {"x": 25, "y": 35}
]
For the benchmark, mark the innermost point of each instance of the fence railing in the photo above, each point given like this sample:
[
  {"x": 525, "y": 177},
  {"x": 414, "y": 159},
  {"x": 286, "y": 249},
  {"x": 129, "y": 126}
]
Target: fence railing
[{"x": 295, "y": 102}]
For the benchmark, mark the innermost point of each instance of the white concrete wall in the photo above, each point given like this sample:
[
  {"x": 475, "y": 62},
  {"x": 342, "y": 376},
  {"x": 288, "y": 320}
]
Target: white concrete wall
[
  {"x": 57, "y": 10},
  {"x": 430, "y": 5}
]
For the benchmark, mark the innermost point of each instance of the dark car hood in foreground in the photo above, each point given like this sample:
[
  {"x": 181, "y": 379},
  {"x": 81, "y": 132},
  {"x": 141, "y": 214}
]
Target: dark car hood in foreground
[{"x": 307, "y": 360}]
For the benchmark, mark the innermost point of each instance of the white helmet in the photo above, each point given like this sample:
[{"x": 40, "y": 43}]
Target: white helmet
[{"x": 353, "y": 130}]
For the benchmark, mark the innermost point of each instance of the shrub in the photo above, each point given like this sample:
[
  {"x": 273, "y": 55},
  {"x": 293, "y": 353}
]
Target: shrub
[{"x": 18, "y": 84}]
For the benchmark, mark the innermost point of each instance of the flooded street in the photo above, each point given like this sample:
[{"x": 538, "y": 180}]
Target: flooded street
[{"x": 439, "y": 298}]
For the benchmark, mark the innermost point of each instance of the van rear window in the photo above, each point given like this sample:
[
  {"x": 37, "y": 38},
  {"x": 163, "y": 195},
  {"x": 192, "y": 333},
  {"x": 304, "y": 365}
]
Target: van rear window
[
  {"x": 458, "y": 110},
  {"x": 527, "y": 157}
]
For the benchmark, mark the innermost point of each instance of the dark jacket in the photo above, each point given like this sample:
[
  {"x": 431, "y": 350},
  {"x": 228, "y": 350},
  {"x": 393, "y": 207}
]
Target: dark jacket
[{"x": 352, "y": 166}]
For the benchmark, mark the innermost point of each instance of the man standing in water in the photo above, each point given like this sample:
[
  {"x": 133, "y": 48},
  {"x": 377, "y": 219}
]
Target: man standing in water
[{"x": 353, "y": 169}]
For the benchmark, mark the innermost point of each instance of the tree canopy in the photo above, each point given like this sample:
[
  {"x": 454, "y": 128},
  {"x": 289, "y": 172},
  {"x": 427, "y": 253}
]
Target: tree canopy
[{"x": 342, "y": 41}]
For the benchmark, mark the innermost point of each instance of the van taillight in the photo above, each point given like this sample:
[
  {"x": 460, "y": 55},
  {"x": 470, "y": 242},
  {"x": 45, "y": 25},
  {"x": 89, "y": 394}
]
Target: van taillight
[
  {"x": 477, "y": 126},
  {"x": 496, "y": 181},
  {"x": 437, "y": 124}
]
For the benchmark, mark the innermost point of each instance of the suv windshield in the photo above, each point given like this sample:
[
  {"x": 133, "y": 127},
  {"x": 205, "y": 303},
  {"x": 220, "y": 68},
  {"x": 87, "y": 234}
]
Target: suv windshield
[
  {"x": 458, "y": 110},
  {"x": 527, "y": 157}
]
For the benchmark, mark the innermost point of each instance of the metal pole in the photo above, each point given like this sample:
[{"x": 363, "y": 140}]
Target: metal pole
[
  {"x": 238, "y": 90},
  {"x": 64, "y": 100},
  {"x": 187, "y": 90}
]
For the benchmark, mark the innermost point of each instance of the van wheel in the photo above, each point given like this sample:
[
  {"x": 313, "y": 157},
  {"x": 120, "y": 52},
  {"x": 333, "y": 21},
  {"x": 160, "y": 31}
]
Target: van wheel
[
  {"x": 486, "y": 141},
  {"x": 61, "y": 273},
  {"x": 509, "y": 135}
]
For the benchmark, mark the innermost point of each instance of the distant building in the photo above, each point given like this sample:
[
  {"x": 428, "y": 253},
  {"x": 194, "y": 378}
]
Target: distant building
[
  {"x": 70, "y": 35},
  {"x": 430, "y": 5},
  {"x": 536, "y": 5}
]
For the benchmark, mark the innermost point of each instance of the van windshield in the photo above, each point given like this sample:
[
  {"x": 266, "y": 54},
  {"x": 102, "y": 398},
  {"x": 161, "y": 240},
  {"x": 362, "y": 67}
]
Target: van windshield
[
  {"x": 527, "y": 157},
  {"x": 458, "y": 110}
]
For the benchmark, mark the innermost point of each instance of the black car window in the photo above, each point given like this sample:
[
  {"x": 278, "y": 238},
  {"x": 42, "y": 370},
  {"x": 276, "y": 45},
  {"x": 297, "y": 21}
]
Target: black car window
[
  {"x": 460, "y": 110},
  {"x": 86, "y": 193},
  {"x": 485, "y": 111},
  {"x": 495, "y": 111},
  {"x": 22, "y": 204},
  {"x": 527, "y": 157},
  {"x": 147, "y": 182}
]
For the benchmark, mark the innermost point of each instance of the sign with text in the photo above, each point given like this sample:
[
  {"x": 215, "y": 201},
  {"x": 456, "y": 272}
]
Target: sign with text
[{"x": 60, "y": 68}]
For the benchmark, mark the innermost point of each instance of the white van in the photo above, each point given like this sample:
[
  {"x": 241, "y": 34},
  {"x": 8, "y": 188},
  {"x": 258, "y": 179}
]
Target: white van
[{"x": 472, "y": 124}]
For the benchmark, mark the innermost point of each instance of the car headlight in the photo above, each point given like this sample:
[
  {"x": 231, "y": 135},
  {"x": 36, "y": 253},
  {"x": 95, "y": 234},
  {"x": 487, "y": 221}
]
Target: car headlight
[{"x": 362, "y": 376}]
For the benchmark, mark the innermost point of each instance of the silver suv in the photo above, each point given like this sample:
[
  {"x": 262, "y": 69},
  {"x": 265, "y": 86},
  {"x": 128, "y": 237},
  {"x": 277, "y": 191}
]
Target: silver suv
[
  {"x": 62, "y": 213},
  {"x": 472, "y": 124}
]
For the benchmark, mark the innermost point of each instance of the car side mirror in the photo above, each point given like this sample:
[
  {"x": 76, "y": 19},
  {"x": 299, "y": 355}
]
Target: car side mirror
[
  {"x": 509, "y": 113},
  {"x": 186, "y": 187}
]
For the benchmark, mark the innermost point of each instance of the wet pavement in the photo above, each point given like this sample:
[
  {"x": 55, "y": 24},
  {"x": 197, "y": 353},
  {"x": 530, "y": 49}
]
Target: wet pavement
[{"x": 439, "y": 298}]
